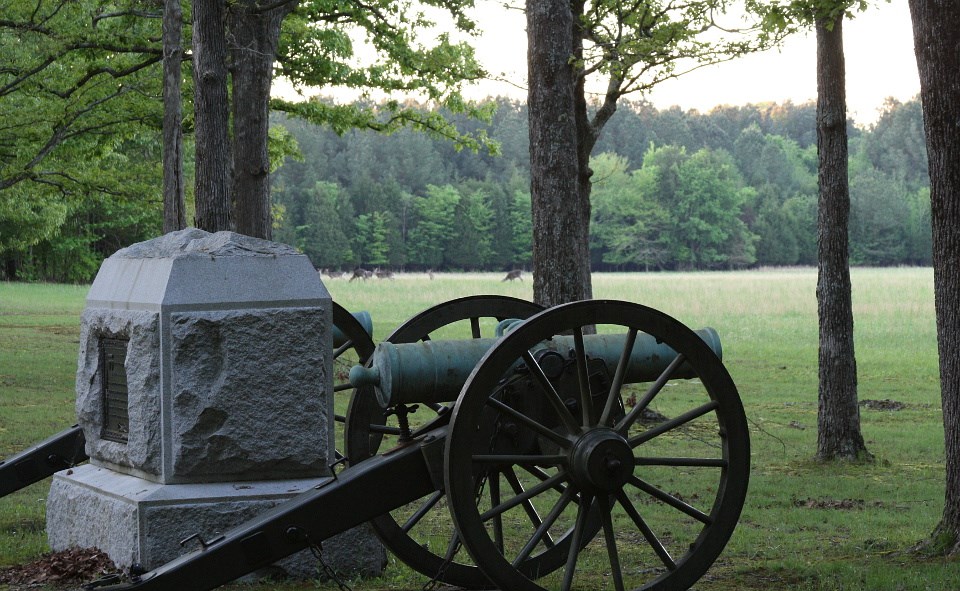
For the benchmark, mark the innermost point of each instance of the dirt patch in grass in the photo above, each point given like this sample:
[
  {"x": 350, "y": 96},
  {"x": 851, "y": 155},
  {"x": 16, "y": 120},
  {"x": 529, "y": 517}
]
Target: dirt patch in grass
[
  {"x": 726, "y": 574},
  {"x": 885, "y": 404},
  {"x": 768, "y": 578},
  {"x": 60, "y": 569},
  {"x": 836, "y": 504}
]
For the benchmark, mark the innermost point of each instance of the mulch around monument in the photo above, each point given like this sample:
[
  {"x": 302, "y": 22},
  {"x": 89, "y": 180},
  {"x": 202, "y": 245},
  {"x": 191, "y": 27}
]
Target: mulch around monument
[{"x": 67, "y": 568}]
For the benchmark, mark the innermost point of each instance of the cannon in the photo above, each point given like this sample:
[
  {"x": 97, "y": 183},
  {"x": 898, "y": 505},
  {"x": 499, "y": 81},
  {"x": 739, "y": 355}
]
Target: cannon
[{"x": 594, "y": 441}]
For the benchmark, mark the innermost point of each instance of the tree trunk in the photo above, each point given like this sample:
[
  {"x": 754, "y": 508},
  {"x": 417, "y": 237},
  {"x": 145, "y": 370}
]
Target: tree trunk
[
  {"x": 838, "y": 421},
  {"x": 558, "y": 255},
  {"x": 254, "y": 36},
  {"x": 936, "y": 39},
  {"x": 174, "y": 208},
  {"x": 211, "y": 114},
  {"x": 586, "y": 140}
]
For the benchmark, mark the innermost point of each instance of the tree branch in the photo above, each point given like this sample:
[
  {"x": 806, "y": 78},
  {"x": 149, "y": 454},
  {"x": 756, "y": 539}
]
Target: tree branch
[
  {"x": 275, "y": 5},
  {"x": 16, "y": 82},
  {"x": 90, "y": 74},
  {"x": 137, "y": 13}
]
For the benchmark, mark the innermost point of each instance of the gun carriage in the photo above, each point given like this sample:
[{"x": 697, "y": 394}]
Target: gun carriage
[{"x": 527, "y": 457}]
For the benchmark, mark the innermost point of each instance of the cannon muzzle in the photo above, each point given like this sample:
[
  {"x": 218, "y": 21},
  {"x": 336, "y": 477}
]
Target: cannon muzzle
[{"x": 435, "y": 371}]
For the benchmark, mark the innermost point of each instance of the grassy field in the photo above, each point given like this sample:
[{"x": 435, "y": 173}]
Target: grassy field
[{"x": 805, "y": 526}]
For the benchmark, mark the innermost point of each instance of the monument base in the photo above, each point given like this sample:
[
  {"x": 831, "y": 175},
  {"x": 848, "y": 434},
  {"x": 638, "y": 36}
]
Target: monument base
[{"x": 135, "y": 521}]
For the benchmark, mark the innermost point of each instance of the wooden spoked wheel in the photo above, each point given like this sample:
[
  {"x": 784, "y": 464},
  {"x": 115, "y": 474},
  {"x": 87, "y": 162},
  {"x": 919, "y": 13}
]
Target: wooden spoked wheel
[
  {"x": 640, "y": 486},
  {"x": 421, "y": 534}
]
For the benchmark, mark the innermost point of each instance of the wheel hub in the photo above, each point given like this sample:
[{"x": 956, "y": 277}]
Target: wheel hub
[{"x": 601, "y": 461}]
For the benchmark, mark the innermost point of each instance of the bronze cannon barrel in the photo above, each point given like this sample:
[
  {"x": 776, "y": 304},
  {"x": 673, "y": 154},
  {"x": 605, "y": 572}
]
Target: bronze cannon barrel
[{"x": 435, "y": 371}]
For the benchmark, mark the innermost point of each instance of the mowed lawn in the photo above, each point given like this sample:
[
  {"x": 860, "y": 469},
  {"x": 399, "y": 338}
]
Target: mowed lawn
[{"x": 806, "y": 525}]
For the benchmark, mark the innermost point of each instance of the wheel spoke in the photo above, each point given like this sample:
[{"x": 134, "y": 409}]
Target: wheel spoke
[
  {"x": 475, "y": 327},
  {"x": 524, "y": 496},
  {"x": 671, "y": 500},
  {"x": 648, "y": 534},
  {"x": 551, "y": 394},
  {"x": 617, "y": 384},
  {"x": 609, "y": 537},
  {"x": 583, "y": 510},
  {"x": 437, "y": 407},
  {"x": 423, "y": 510},
  {"x": 343, "y": 348},
  {"x": 342, "y": 386},
  {"x": 493, "y": 485},
  {"x": 531, "y": 423},
  {"x": 674, "y": 423},
  {"x": 586, "y": 400},
  {"x": 685, "y": 462},
  {"x": 453, "y": 548},
  {"x": 626, "y": 422},
  {"x": 543, "y": 531},
  {"x": 528, "y": 507},
  {"x": 543, "y": 476}
]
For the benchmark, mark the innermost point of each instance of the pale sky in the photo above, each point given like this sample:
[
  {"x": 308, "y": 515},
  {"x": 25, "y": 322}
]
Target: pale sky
[{"x": 878, "y": 47}]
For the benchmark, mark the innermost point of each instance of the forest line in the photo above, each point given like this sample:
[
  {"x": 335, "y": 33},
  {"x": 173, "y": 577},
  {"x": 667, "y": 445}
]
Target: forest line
[{"x": 732, "y": 188}]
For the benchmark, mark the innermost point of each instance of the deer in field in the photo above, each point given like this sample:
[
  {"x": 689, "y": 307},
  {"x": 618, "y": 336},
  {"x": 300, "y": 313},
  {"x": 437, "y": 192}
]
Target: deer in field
[
  {"x": 383, "y": 274},
  {"x": 361, "y": 273},
  {"x": 515, "y": 274}
]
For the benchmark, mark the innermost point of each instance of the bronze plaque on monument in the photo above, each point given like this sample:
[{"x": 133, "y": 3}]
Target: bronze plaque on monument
[{"x": 113, "y": 354}]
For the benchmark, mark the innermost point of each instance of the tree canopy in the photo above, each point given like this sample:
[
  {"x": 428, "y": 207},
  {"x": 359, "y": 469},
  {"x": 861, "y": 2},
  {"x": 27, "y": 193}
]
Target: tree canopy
[
  {"x": 79, "y": 106},
  {"x": 80, "y": 79}
]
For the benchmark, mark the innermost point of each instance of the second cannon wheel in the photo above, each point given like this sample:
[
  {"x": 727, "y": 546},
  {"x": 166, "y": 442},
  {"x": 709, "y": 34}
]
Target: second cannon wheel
[{"x": 421, "y": 534}]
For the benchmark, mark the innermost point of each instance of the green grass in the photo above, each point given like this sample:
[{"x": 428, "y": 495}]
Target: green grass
[
  {"x": 39, "y": 330},
  {"x": 805, "y": 525}
]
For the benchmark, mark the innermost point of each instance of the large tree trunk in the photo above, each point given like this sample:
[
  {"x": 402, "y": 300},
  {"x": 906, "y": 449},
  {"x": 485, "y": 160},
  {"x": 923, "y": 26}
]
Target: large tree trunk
[
  {"x": 838, "y": 435},
  {"x": 936, "y": 39},
  {"x": 586, "y": 140},
  {"x": 211, "y": 114},
  {"x": 254, "y": 35},
  {"x": 174, "y": 209},
  {"x": 558, "y": 255}
]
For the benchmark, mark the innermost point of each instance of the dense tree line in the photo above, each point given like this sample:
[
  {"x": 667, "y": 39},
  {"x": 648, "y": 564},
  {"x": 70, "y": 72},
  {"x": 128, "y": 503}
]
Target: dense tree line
[
  {"x": 674, "y": 189},
  {"x": 732, "y": 188}
]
